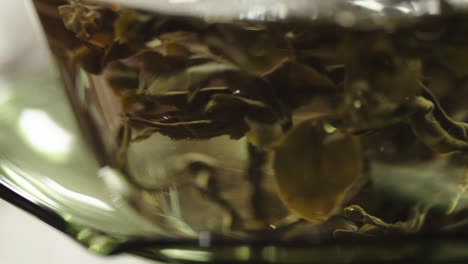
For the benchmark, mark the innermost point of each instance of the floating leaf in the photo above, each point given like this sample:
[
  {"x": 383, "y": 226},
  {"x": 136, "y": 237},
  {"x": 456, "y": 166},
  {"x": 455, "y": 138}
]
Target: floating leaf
[
  {"x": 180, "y": 99},
  {"x": 90, "y": 57},
  {"x": 256, "y": 52},
  {"x": 314, "y": 169},
  {"x": 89, "y": 23},
  {"x": 263, "y": 135},
  {"x": 80, "y": 19},
  {"x": 177, "y": 127},
  {"x": 162, "y": 74},
  {"x": 121, "y": 76},
  {"x": 222, "y": 104},
  {"x": 297, "y": 83},
  {"x": 178, "y": 43},
  {"x": 129, "y": 25}
]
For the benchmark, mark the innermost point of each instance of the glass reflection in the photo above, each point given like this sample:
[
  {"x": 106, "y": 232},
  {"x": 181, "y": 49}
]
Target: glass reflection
[
  {"x": 83, "y": 199},
  {"x": 5, "y": 91},
  {"x": 44, "y": 135},
  {"x": 192, "y": 255},
  {"x": 370, "y": 4}
]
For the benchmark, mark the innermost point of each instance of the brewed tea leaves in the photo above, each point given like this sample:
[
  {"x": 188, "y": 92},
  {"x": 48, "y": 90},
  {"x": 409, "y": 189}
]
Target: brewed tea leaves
[
  {"x": 180, "y": 127},
  {"x": 81, "y": 19},
  {"x": 296, "y": 84},
  {"x": 315, "y": 169},
  {"x": 189, "y": 78},
  {"x": 370, "y": 223},
  {"x": 222, "y": 104},
  {"x": 258, "y": 52}
]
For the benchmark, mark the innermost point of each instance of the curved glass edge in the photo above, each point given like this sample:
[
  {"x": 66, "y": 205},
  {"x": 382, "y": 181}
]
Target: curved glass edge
[
  {"x": 18, "y": 199},
  {"x": 47, "y": 169},
  {"x": 433, "y": 249},
  {"x": 348, "y": 12},
  {"x": 448, "y": 249},
  {"x": 40, "y": 205},
  {"x": 412, "y": 249}
]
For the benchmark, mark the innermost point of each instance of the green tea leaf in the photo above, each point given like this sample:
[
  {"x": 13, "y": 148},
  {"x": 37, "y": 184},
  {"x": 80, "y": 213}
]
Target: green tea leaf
[{"x": 315, "y": 169}]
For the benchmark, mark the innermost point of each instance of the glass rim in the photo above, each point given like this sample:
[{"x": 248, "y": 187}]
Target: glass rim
[{"x": 349, "y": 13}]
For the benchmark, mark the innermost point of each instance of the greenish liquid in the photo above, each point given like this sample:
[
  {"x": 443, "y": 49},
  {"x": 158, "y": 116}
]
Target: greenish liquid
[{"x": 267, "y": 131}]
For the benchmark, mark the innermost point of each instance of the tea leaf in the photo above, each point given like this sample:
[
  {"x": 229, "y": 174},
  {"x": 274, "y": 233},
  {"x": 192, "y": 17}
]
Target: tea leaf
[
  {"x": 429, "y": 130},
  {"x": 314, "y": 170},
  {"x": 256, "y": 52},
  {"x": 80, "y": 19},
  {"x": 90, "y": 57},
  {"x": 177, "y": 44},
  {"x": 129, "y": 25},
  {"x": 413, "y": 224},
  {"x": 264, "y": 135},
  {"x": 181, "y": 99},
  {"x": 243, "y": 107},
  {"x": 296, "y": 83},
  {"x": 176, "y": 127},
  {"x": 165, "y": 74},
  {"x": 90, "y": 23}
]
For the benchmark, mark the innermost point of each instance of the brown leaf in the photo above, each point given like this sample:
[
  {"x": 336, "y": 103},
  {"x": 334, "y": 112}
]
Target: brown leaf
[{"x": 296, "y": 83}]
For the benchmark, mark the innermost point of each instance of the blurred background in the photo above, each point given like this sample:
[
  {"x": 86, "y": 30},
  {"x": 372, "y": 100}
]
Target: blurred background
[{"x": 23, "y": 238}]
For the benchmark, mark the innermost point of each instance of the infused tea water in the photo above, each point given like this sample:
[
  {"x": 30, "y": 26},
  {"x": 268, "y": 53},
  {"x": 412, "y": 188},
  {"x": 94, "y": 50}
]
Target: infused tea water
[{"x": 273, "y": 128}]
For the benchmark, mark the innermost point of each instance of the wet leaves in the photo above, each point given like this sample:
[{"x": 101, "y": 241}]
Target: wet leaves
[
  {"x": 191, "y": 79},
  {"x": 314, "y": 169}
]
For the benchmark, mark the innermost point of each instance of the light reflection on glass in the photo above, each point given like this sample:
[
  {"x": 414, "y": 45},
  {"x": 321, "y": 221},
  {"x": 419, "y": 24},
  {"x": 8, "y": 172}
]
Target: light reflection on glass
[
  {"x": 182, "y": 1},
  {"x": 370, "y": 4},
  {"x": 242, "y": 253},
  {"x": 183, "y": 254},
  {"x": 116, "y": 184},
  {"x": 30, "y": 186},
  {"x": 403, "y": 9},
  {"x": 5, "y": 91},
  {"x": 44, "y": 135},
  {"x": 431, "y": 7},
  {"x": 50, "y": 193},
  {"x": 83, "y": 199},
  {"x": 462, "y": 3}
]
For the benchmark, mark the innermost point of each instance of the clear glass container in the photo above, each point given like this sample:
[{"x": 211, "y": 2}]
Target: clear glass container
[{"x": 251, "y": 131}]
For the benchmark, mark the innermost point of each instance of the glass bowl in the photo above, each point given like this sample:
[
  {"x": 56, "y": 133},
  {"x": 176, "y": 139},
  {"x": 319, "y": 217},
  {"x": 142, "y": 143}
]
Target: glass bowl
[{"x": 248, "y": 131}]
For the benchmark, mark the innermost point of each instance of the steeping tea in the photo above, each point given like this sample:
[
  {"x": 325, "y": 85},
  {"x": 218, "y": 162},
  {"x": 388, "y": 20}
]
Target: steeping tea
[{"x": 273, "y": 128}]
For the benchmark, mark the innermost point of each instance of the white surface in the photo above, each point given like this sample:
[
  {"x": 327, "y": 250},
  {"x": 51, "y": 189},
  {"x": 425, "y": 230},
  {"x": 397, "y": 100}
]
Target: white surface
[
  {"x": 26, "y": 240},
  {"x": 20, "y": 41}
]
